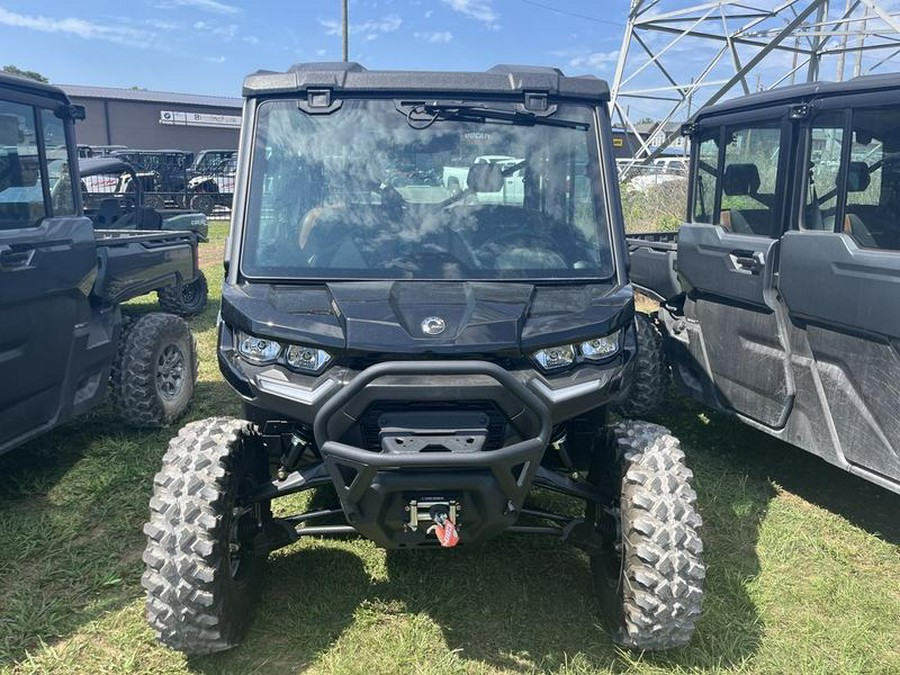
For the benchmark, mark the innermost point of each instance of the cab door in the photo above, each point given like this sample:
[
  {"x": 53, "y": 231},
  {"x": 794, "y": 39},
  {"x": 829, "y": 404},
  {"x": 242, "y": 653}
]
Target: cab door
[
  {"x": 47, "y": 259},
  {"x": 840, "y": 280},
  {"x": 727, "y": 257}
]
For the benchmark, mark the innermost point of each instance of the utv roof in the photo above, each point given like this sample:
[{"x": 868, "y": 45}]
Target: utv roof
[
  {"x": 29, "y": 86},
  {"x": 801, "y": 93},
  {"x": 95, "y": 166},
  {"x": 352, "y": 77}
]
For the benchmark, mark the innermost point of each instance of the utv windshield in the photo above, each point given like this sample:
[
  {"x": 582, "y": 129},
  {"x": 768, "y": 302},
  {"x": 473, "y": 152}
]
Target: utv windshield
[{"x": 384, "y": 189}]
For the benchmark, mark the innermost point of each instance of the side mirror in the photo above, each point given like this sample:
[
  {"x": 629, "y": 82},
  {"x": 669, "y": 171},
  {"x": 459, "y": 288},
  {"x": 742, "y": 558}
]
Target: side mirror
[{"x": 71, "y": 112}]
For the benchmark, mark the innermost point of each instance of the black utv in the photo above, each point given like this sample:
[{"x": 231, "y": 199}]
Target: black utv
[
  {"x": 779, "y": 295},
  {"x": 440, "y": 350},
  {"x": 64, "y": 338}
]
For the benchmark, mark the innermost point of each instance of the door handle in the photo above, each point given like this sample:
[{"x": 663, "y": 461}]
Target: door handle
[
  {"x": 748, "y": 261},
  {"x": 16, "y": 259}
]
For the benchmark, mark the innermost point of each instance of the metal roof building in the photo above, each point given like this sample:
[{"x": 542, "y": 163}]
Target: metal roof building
[{"x": 155, "y": 119}]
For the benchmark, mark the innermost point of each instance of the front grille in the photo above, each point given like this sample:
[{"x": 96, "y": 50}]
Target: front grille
[{"x": 496, "y": 428}]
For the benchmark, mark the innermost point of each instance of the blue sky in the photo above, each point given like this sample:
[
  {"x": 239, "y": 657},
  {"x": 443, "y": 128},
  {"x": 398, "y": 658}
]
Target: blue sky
[{"x": 207, "y": 46}]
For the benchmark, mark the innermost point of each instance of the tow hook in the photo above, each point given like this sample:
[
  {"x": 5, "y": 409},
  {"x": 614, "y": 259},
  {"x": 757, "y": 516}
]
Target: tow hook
[{"x": 444, "y": 528}]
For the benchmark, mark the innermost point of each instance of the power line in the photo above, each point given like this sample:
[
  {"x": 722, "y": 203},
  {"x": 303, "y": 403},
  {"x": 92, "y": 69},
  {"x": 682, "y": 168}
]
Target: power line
[{"x": 575, "y": 15}]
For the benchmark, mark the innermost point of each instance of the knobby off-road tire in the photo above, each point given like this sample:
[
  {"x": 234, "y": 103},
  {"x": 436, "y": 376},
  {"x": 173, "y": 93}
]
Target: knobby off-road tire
[
  {"x": 203, "y": 202},
  {"x": 650, "y": 579},
  {"x": 648, "y": 388},
  {"x": 203, "y": 561},
  {"x": 189, "y": 301},
  {"x": 153, "y": 376}
]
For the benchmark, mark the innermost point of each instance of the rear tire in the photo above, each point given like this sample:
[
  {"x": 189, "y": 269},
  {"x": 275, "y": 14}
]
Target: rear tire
[
  {"x": 205, "y": 203},
  {"x": 190, "y": 301},
  {"x": 204, "y": 562},
  {"x": 153, "y": 201},
  {"x": 650, "y": 380},
  {"x": 650, "y": 577},
  {"x": 155, "y": 370}
]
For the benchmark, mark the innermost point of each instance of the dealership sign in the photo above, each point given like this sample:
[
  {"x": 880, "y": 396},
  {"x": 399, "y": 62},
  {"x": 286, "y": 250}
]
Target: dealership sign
[{"x": 192, "y": 119}]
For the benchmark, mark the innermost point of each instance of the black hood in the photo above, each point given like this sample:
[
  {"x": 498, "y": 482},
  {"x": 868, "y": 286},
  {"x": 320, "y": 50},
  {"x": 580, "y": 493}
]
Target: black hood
[{"x": 420, "y": 317}]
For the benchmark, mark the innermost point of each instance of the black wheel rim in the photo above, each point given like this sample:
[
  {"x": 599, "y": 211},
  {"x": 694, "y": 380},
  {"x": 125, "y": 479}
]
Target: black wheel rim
[
  {"x": 189, "y": 293},
  {"x": 170, "y": 372},
  {"x": 245, "y": 524},
  {"x": 608, "y": 566}
]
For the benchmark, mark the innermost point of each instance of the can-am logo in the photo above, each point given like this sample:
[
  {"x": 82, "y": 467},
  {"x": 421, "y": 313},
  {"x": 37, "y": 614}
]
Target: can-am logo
[
  {"x": 433, "y": 325},
  {"x": 477, "y": 137}
]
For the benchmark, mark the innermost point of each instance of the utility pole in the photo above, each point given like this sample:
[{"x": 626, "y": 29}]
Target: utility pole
[{"x": 345, "y": 29}]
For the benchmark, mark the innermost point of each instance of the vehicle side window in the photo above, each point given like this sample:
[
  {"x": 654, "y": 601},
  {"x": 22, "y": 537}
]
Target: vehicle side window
[
  {"x": 873, "y": 179},
  {"x": 825, "y": 151},
  {"x": 62, "y": 196},
  {"x": 705, "y": 180},
  {"x": 21, "y": 187},
  {"x": 749, "y": 179}
]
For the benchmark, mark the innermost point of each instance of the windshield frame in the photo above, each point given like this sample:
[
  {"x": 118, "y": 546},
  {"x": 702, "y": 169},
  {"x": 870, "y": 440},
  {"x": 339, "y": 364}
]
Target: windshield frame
[{"x": 605, "y": 204}]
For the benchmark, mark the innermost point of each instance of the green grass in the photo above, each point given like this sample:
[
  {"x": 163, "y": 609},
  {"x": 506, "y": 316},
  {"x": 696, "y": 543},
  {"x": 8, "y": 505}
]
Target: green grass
[{"x": 803, "y": 570}]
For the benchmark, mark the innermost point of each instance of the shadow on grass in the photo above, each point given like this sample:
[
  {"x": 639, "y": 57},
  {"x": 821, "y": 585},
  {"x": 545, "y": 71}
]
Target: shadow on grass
[
  {"x": 72, "y": 507},
  {"x": 72, "y": 503}
]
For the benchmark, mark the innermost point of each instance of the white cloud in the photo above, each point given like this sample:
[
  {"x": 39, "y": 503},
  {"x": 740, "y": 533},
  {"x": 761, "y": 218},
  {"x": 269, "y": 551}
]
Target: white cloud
[
  {"x": 88, "y": 30},
  {"x": 437, "y": 37},
  {"x": 163, "y": 25},
  {"x": 595, "y": 60},
  {"x": 251, "y": 39},
  {"x": 215, "y": 59},
  {"x": 226, "y": 32},
  {"x": 387, "y": 24},
  {"x": 480, "y": 10},
  {"x": 213, "y": 6}
]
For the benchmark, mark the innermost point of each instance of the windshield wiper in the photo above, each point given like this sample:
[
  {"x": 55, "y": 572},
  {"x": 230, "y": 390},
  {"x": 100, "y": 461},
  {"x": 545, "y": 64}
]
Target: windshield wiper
[{"x": 422, "y": 116}]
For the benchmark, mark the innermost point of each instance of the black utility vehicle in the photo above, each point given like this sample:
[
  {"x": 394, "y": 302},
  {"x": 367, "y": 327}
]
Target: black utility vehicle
[
  {"x": 780, "y": 297},
  {"x": 126, "y": 209},
  {"x": 63, "y": 338},
  {"x": 439, "y": 358}
]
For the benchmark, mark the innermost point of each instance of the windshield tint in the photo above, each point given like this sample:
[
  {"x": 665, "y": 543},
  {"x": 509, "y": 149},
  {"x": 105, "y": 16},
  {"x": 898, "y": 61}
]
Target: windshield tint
[{"x": 381, "y": 189}]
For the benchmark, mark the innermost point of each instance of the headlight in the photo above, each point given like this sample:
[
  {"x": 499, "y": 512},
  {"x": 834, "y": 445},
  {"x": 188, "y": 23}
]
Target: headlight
[
  {"x": 307, "y": 359},
  {"x": 555, "y": 357},
  {"x": 258, "y": 350},
  {"x": 552, "y": 358},
  {"x": 600, "y": 348},
  {"x": 263, "y": 351}
]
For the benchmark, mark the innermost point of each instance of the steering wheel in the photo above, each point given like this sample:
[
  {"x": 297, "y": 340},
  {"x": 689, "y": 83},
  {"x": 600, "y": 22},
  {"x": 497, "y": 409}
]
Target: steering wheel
[
  {"x": 521, "y": 237},
  {"x": 435, "y": 257}
]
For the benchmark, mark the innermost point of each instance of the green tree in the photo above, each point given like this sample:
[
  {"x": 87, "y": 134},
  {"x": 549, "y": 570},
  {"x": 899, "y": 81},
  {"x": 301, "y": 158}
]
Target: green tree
[{"x": 30, "y": 74}]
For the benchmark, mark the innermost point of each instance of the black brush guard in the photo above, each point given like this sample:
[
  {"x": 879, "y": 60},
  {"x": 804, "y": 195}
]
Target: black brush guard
[
  {"x": 488, "y": 488},
  {"x": 375, "y": 489}
]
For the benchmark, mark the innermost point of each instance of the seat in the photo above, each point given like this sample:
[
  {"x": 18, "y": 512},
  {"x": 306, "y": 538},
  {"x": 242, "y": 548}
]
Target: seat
[
  {"x": 742, "y": 180},
  {"x": 108, "y": 212}
]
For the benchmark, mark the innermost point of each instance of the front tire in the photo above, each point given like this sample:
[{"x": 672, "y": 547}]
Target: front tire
[
  {"x": 650, "y": 380},
  {"x": 187, "y": 302},
  {"x": 650, "y": 575},
  {"x": 155, "y": 370},
  {"x": 203, "y": 561}
]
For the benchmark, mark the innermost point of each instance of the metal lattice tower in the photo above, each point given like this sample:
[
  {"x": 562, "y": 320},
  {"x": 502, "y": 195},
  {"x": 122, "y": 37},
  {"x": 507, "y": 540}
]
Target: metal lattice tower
[{"x": 679, "y": 55}]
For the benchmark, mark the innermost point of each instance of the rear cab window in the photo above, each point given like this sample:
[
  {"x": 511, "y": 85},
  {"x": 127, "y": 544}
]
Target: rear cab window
[{"x": 853, "y": 182}]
